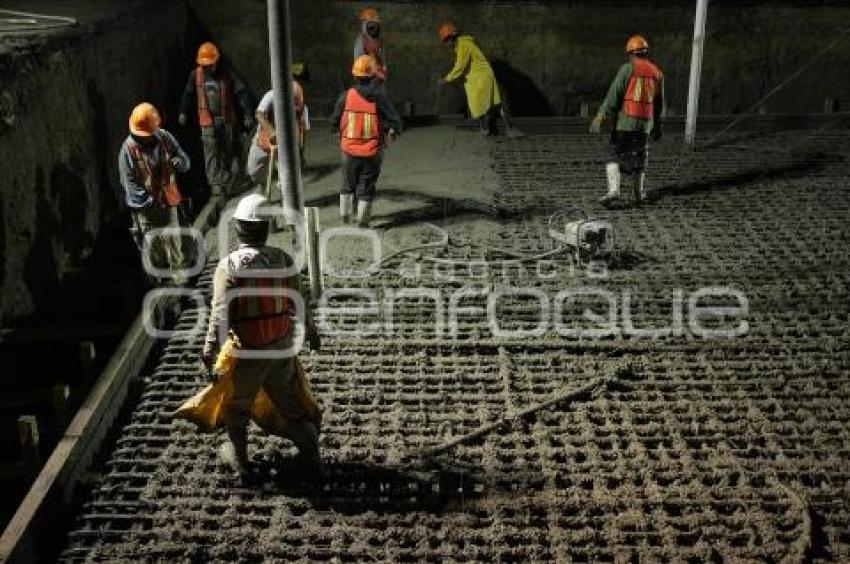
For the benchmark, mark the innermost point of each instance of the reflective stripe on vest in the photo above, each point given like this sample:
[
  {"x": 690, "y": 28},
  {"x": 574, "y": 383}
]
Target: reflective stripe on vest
[
  {"x": 261, "y": 320},
  {"x": 639, "y": 99},
  {"x": 359, "y": 126},
  {"x": 164, "y": 189},
  {"x": 205, "y": 117}
]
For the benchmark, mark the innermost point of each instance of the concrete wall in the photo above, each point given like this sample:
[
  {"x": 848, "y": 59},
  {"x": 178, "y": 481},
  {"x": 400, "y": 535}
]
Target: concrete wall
[
  {"x": 66, "y": 102},
  {"x": 551, "y": 56}
]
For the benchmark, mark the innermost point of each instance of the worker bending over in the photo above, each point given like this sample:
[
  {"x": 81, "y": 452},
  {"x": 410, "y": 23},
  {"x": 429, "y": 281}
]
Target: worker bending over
[
  {"x": 148, "y": 162},
  {"x": 366, "y": 121},
  {"x": 479, "y": 82},
  {"x": 265, "y": 138},
  {"x": 216, "y": 90},
  {"x": 369, "y": 42},
  {"x": 259, "y": 324},
  {"x": 636, "y": 97}
]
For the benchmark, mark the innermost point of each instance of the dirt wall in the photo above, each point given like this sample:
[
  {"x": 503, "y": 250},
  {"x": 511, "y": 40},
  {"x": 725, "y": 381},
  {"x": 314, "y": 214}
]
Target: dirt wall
[
  {"x": 66, "y": 101},
  {"x": 552, "y": 56}
]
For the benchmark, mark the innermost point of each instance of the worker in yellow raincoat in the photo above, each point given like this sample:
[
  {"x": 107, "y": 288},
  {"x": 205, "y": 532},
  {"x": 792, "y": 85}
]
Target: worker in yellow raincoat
[
  {"x": 250, "y": 348},
  {"x": 482, "y": 90}
]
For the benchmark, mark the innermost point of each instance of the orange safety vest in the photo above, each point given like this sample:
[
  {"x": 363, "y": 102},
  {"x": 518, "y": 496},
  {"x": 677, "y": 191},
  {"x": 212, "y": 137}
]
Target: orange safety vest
[
  {"x": 261, "y": 320},
  {"x": 640, "y": 91},
  {"x": 164, "y": 189},
  {"x": 359, "y": 128},
  {"x": 225, "y": 85}
]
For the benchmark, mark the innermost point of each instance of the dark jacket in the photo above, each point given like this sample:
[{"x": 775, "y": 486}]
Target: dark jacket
[{"x": 374, "y": 92}]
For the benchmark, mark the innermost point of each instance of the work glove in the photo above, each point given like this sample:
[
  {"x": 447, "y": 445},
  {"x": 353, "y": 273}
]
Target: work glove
[
  {"x": 596, "y": 124},
  {"x": 657, "y": 132},
  {"x": 181, "y": 119},
  {"x": 176, "y": 162}
]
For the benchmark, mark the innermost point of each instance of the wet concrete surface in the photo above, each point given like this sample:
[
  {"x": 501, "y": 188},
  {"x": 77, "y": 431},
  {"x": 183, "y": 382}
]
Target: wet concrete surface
[{"x": 705, "y": 449}]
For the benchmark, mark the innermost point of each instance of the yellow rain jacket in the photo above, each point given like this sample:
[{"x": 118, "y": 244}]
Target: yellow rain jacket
[
  {"x": 205, "y": 408},
  {"x": 482, "y": 91}
]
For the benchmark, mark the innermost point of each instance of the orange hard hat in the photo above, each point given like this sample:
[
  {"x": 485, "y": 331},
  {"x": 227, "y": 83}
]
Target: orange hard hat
[
  {"x": 363, "y": 66},
  {"x": 144, "y": 120},
  {"x": 207, "y": 54},
  {"x": 446, "y": 31},
  {"x": 636, "y": 43},
  {"x": 369, "y": 15}
]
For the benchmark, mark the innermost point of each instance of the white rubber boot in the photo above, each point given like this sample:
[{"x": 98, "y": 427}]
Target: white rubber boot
[
  {"x": 613, "y": 172},
  {"x": 346, "y": 207},
  {"x": 364, "y": 213}
]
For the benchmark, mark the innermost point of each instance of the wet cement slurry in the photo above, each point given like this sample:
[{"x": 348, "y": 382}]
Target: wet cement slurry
[{"x": 720, "y": 448}]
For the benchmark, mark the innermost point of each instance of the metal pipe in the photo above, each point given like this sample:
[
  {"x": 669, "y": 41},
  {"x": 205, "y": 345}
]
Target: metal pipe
[
  {"x": 280, "y": 52},
  {"x": 696, "y": 73},
  {"x": 314, "y": 266}
]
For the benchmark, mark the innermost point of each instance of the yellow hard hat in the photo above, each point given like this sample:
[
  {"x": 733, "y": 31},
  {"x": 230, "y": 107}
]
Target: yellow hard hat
[
  {"x": 207, "y": 54},
  {"x": 369, "y": 15},
  {"x": 144, "y": 120},
  {"x": 446, "y": 31},
  {"x": 636, "y": 43},
  {"x": 363, "y": 66}
]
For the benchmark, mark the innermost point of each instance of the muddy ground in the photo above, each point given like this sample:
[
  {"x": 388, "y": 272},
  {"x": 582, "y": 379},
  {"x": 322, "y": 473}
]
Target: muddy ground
[{"x": 692, "y": 449}]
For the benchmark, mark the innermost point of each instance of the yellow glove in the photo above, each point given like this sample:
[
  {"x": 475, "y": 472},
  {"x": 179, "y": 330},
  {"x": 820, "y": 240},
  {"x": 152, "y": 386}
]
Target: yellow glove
[{"x": 596, "y": 124}]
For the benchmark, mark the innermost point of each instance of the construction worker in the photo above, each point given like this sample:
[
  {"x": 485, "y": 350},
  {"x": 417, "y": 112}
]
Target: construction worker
[
  {"x": 636, "y": 97},
  {"x": 482, "y": 90},
  {"x": 369, "y": 42},
  {"x": 300, "y": 76},
  {"x": 366, "y": 121},
  {"x": 214, "y": 90},
  {"x": 258, "y": 323},
  {"x": 148, "y": 162},
  {"x": 265, "y": 139}
]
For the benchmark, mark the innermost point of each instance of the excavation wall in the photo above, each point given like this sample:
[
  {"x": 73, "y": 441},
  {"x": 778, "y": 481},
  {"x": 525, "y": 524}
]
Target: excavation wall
[{"x": 66, "y": 97}]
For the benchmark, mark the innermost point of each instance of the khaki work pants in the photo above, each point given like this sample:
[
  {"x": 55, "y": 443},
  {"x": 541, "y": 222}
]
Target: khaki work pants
[
  {"x": 165, "y": 251},
  {"x": 220, "y": 148},
  {"x": 278, "y": 378}
]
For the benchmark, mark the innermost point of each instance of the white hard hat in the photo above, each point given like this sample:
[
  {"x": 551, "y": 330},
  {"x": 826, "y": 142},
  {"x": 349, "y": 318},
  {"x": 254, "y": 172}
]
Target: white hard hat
[{"x": 249, "y": 208}]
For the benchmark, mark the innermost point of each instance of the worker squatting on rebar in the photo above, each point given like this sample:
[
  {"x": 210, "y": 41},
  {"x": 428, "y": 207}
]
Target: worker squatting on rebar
[
  {"x": 215, "y": 89},
  {"x": 636, "y": 97},
  {"x": 482, "y": 89},
  {"x": 264, "y": 142},
  {"x": 148, "y": 162},
  {"x": 260, "y": 321},
  {"x": 366, "y": 122}
]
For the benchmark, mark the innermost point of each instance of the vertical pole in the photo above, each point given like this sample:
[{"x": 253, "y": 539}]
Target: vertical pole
[
  {"x": 314, "y": 267},
  {"x": 696, "y": 72},
  {"x": 280, "y": 52}
]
